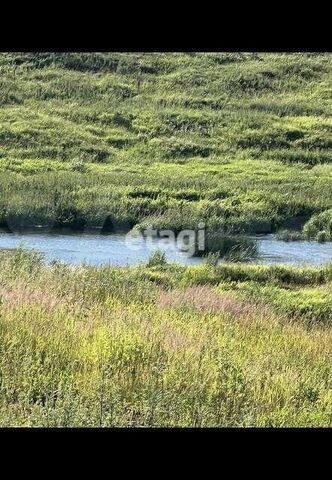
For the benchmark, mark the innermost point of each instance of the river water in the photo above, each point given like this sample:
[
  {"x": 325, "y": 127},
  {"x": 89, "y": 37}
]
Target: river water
[{"x": 116, "y": 249}]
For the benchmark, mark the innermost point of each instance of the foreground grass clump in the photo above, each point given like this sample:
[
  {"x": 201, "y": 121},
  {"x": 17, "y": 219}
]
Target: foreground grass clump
[
  {"x": 164, "y": 345},
  {"x": 240, "y": 142}
]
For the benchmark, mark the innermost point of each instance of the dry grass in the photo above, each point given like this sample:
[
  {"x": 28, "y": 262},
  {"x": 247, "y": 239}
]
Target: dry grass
[
  {"x": 204, "y": 299},
  {"x": 21, "y": 294}
]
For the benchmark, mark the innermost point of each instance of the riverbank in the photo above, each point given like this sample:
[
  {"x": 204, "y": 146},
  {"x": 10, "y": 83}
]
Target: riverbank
[
  {"x": 238, "y": 142},
  {"x": 164, "y": 345}
]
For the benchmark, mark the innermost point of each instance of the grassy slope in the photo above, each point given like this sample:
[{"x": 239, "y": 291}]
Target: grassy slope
[
  {"x": 164, "y": 345},
  {"x": 241, "y": 142}
]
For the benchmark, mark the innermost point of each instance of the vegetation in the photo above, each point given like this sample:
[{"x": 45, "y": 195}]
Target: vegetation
[
  {"x": 320, "y": 226},
  {"x": 158, "y": 257},
  {"x": 165, "y": 345},
  {"x": 118, "y": 141},
  {"x": 241, "y": 142},
  {"x": 289, "y": 235}
]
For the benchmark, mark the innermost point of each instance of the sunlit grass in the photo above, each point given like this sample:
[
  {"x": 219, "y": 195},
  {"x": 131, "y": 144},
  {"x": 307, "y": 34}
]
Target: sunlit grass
[
  {"x": 139, "y": 346},
  {"x": 241, "y": 142}
]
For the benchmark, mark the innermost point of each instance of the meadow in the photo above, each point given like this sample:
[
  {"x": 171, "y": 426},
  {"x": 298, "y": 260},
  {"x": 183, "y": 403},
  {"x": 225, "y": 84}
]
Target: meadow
[
  {"x": 164, "y": 345},
  {"x": 240, "y": 141}
]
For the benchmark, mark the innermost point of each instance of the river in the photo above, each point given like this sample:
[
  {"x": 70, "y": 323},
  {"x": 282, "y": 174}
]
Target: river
[{"x": 115, "y": 249}]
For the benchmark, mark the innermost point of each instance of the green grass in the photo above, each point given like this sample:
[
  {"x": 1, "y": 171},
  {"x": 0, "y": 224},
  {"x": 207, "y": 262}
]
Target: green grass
[
  {"x": 164, "y": 345},
  {"x": 240, "y": 142}
]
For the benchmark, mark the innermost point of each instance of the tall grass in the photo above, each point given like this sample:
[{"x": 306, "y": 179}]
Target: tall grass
[{"x": 163, "y": 345}]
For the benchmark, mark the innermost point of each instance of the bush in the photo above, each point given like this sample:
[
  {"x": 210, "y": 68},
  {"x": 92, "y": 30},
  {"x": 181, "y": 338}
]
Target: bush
[
  {"x": 320, "y": 224},
  {"x": 322, "y": 236},
  {"x": 233, "y": 248}
]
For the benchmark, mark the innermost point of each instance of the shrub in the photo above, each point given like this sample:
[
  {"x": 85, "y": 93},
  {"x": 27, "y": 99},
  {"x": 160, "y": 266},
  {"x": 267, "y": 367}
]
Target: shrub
[
  {"x": 234, "y": 248},
  {"x": 321, "y": 222},
  {"x": 323, "y": 236}
]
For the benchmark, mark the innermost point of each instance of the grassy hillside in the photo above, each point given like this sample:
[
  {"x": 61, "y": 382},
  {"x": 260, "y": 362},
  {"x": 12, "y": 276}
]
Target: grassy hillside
[
  {"x": 164, "y": 345},
  {"x": 241, "y": 141}
]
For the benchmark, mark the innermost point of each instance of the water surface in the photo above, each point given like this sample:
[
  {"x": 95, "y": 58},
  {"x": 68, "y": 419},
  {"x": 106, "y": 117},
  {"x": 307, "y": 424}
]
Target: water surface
[{"x": 97, "y": 249}]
